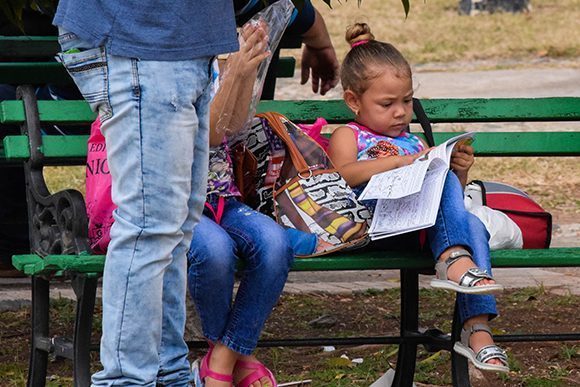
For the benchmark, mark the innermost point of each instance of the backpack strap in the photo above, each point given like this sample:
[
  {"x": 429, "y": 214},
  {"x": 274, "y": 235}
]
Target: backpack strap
[
  {"x": 481, "y": 185},
  {"x": 424, "y": 121},
  {"x": 218, "y": 211}
]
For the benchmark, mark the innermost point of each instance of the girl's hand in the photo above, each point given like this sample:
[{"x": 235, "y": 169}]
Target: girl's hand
[
  {"x": 462, "y": 158},
  {"x": 410, "y": 159}
]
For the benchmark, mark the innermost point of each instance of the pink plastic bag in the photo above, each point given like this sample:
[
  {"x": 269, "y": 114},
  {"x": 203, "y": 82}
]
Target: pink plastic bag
[
  {"x": 314, "y": 131},
  {"x": 98, "y": 191}
]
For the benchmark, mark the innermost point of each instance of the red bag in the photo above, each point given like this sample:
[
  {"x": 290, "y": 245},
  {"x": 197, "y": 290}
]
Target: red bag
[
  {"x": 531, "y": 218},
  {"x": 100, "y": 205}
]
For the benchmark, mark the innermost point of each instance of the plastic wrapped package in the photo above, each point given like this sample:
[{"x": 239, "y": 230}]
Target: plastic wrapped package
[{"x": 274, "y": 19}]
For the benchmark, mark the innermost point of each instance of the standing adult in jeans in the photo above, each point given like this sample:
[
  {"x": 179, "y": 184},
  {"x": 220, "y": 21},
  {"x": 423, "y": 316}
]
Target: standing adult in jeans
[{"x": 145, "y": 68}]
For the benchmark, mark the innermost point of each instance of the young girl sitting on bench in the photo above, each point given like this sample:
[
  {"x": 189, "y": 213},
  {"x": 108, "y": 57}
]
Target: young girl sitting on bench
[{"x": 378, "y": 88}]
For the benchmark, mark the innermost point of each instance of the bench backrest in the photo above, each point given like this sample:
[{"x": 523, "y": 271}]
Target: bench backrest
[{"x": 72, "y": 149}]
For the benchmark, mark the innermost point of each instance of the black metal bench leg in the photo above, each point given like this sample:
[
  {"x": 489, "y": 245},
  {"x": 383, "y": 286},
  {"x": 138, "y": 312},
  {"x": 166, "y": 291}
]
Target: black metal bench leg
[
  {"x": 40, "y": 345},
  {"x": 407, "y": 356},
  {"x": 459, "y": 364},
  {"x": 86, "y": 290}
]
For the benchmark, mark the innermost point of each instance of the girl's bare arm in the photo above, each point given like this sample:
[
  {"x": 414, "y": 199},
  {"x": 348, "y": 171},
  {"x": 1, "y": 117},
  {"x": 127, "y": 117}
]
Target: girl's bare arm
[{"x": 343, "y": 153}]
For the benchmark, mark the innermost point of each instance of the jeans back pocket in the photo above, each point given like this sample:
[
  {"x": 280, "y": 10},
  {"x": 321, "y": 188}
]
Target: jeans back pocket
[{"x": 88, "y": 69}]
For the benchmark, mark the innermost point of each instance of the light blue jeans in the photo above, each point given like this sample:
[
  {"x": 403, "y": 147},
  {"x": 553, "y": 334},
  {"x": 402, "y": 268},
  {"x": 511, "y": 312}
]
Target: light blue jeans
[
  {"x": 154, "y": 118},
  {"x": 454, "y": 226},
  {"x": 216, "y": 249}
]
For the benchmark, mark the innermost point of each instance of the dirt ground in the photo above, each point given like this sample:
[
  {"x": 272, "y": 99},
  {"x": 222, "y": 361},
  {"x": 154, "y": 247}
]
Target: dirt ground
[
  {"x": 377, "y": 313},
  {"x": 365, "y": 314}
]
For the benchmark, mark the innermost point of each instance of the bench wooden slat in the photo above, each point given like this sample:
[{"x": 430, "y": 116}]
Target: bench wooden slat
[
  {"x": 41, "y": 73},
  {"x": 32, "y": 264},
  {"x": 445, "y": 110},
  {"x": 16, "y": 147},
  {"x": 522, "y": 143},
  {"x": 503, "y": 109},
  {"x": 486, "y": 144},
  {"x": 34, "y": 73},
  {"x": 56, "y": 112},
  {"x": 28, "y": 46},
  {"x": 47, "y": 46},
  {"x": 335, "y": 111}
]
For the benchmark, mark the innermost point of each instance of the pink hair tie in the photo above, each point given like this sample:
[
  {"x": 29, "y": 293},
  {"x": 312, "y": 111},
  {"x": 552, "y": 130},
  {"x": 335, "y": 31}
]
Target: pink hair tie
[{"x": 359, "y": 43}]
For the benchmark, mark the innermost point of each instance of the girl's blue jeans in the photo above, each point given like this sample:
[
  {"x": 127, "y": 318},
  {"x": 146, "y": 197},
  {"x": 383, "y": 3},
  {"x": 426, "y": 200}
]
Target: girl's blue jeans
[
  {"x": 266, "y": 252},
  {"x": 454, "y": 226}
]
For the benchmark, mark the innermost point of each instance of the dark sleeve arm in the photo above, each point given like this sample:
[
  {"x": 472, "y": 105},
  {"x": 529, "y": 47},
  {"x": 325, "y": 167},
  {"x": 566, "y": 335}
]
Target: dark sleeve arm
[{"x": 300, "y": 21}]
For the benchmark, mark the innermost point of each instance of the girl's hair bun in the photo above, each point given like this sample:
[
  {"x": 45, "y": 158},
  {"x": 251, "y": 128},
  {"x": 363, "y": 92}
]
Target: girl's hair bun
[{"x": 358, "y": 32}]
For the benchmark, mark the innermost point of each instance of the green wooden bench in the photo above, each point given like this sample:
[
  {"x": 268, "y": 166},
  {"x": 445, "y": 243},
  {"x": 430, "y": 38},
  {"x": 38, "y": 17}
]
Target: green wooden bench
[{"x": 59, "y": 233}]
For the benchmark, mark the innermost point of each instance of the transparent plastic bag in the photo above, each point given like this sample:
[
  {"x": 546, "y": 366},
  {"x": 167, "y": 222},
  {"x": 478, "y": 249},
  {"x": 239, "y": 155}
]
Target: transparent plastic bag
[{"x": 275, "y": 18}]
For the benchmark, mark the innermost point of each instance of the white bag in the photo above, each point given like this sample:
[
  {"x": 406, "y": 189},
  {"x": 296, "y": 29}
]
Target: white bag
[{"x": 504, "y": 233}]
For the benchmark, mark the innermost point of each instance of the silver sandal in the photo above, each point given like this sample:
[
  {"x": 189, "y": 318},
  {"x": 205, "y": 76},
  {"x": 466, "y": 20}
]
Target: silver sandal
[
  {"x": 486, "y": 353},
  {"x": 469, "y": 279}
]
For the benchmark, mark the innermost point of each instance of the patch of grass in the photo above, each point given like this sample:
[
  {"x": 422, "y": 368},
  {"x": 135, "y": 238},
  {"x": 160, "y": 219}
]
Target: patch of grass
[
  {"x": 569, "y": 352},
  {"x": 333, "y": 368},
  {"x": 513, "y": 363},
  {"x": 533, "y": 381},
  {"x": 59, "y": 178},
  {"x": 435, "y": 32},
  {"x": 526, "y": 294},
  {"x": 372, "y": 292},
  {"x": 13, "y": 374},
  {"x": 341, "y": 371},
  {"x": 372, "y": 314},
  {"x": 56, "y": 381},
  {"x": 554, "y": 182},
  {"x": 557, "y": 372},
  {"x": 429, "y": 369},
  {"x": 63, "y": 309},
  {"x": 566, "y": 300}
]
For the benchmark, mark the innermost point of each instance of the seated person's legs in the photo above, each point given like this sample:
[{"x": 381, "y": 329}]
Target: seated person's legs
[
  {"x": 212, "y": 266},
  {"x": 476, "y": 310},
  {"x": 450, "y": 236},
  {"x": 265, "y": 250},
  {"x": 456, "y": 230},
  {"x": 268, "y": 256}
]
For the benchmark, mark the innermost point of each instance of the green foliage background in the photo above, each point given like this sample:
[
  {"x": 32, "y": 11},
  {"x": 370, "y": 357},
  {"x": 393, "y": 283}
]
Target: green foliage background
[{"x": 12, "y": 10}]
